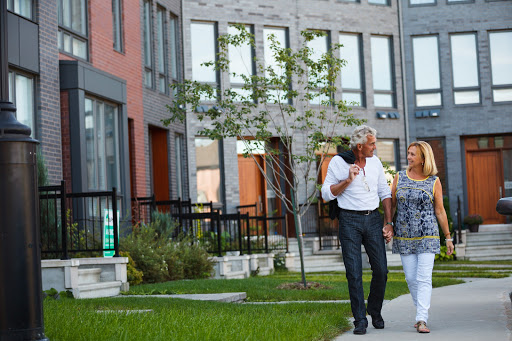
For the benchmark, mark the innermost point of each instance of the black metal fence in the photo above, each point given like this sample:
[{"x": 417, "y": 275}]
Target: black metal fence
[
  {"x": 328, "y": 230},
  {"x": 74, "y": 224}
]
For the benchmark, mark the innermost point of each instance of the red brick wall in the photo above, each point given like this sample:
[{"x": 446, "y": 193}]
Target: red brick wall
[{"x": 126, "y": 65}]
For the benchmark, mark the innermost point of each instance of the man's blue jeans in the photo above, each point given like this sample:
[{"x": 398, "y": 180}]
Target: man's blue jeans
[{"x": 356, "y": 230}]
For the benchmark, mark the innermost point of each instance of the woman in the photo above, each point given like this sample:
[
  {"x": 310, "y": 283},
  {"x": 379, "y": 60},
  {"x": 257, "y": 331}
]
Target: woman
[{"x": 418, "y": 197}]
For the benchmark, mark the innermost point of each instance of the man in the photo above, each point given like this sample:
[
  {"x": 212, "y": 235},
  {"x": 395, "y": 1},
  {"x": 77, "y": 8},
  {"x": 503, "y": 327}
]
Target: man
[{"x": 357, "y": 181}]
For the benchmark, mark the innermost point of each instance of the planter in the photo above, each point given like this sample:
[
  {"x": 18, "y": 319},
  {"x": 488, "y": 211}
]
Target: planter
[{"x": 473, "y": 228}]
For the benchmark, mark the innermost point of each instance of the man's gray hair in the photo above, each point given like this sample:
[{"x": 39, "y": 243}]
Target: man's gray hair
[{"x": 360, "y": 135}]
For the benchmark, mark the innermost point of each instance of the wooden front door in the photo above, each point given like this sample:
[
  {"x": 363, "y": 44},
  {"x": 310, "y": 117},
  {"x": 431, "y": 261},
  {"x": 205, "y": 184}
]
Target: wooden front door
[
  {"x": 159, "y": 163},
  {"x": 251, "y": 182},
  {"x": 484, "y": 179}
]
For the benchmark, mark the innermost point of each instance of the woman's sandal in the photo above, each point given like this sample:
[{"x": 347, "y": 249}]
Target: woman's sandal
[{"x": 421, "y": 327}]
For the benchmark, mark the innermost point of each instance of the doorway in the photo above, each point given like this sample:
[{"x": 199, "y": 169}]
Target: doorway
[{"x": 159, "y": 163}]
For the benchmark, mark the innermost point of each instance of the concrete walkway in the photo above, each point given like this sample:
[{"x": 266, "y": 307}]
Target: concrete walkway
[{"x": 478, "y": 310}]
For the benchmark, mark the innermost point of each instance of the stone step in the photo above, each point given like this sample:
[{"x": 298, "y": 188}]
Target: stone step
[
  {"x": 495, "y": 228},
  {"x": 95, "y": 290},
  {"x": 88, "y": 276}
]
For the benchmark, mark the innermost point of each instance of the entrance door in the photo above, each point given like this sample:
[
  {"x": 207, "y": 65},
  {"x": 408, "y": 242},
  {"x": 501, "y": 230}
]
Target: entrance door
[
  {"x": 484, "y": 180},
  {"x": 251, "y": 183},
  {"x": 159, "y": 163}
]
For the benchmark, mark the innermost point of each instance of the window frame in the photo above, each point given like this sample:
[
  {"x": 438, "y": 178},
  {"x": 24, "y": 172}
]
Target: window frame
[
  {"x": 388, "y": 3},
  {"x": 174, "y": 48},
  {"x": 161, "y": 44},
  {"x": 392, "y": 75},
  {"x": 433, "y": 3},
  {"x": 432, "y": 90},
  {"x": 239, "y": 85},
  {"x": 117, "y": 144},
  {"x": 147, "y": 40},
  {"x": 477, "y": 87},
  {"x": 216, "y": 83},
  {"x": 118, "y": 25},
  {"x": 267, "y": 63},
  {"x": 179, "y": 150},
  {"x": 328, "y": 43},
  {"x": 11, "y": 7},
  {"x": 13, "y": 92},
  {"x": 500, "y": 86},
  {"x": 72, "y": 33},
  {"x": 360, "y": 52}
]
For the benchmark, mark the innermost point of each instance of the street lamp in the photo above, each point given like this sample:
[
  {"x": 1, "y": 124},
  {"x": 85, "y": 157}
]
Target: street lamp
[{"x": 21, "y": 311}]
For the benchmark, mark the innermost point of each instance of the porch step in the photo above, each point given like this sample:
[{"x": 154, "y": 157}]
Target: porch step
[
  {"x": 95, "y": 290},
  {"x": 89, "y": 276},
  {"x": 489, "y": 238},
  {"x": 491, "y": 242}
]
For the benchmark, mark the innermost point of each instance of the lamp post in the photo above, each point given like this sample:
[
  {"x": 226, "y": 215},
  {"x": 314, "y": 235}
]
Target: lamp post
[{"x": 21, "y": 311}]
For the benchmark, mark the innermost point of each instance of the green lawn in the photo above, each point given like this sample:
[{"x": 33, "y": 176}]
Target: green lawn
[{"x": 176, "y": 319}]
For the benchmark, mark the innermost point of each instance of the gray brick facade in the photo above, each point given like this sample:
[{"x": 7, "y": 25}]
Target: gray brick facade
[
  {"x": 456, "y": 122},
  {"x": 331, "y": 16}
]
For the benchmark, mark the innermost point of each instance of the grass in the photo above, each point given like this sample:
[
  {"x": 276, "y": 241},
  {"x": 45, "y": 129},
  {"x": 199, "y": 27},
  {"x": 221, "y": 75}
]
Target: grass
[{"x": 175, "y": 319}]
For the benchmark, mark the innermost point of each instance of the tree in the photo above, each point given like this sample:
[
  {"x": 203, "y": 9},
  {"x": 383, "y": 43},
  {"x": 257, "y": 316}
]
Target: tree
[{"x": 293, "y": 98}]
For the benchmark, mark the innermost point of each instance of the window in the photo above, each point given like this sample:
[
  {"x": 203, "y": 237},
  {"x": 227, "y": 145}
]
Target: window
[
  {"x": 208, "y": 169},
  {"x": 203, "y": 50},
  {"x": 351, "y": 73},
  {"x": 162, "y": 50},
  {"x": 102, "y": 145},
  {"x": 148, "y": 51},
  {"x": 500, "y": 44},
  {"x": 240, "y": 65},
  {"x": 280, "y": 37},
  {"x": 379, "y": 2},
  {"x": 21, "y": 7},
  {"x": 387, "y": 152},
  {"x": 422, "y": 2},
  {"x": 117, "y": 23},
  {"x": 21, "y": 93},
  {"x": 465, "y": 69},
  {"x": 382, "y": 66},
  {"x": 180, "y": 165},
  {"x": 173, "y": 41},
  {"x": 73, "y": 27},
  {"x": 427, "y": 83},
  {"x": 318, "y": 47}
]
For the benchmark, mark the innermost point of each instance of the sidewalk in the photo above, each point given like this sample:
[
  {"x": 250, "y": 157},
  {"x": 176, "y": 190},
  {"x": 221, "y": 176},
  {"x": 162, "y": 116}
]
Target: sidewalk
[{"x": 478, "y": 310}]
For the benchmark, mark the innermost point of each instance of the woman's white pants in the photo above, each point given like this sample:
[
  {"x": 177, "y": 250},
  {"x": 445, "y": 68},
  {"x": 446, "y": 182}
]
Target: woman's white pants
[{"x": 418, "y": 274}]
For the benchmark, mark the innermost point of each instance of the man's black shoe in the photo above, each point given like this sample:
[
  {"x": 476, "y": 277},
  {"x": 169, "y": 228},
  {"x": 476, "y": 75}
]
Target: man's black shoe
[
  {"x": 378, "y": 321},
  {"x": 360, "y": 328}
]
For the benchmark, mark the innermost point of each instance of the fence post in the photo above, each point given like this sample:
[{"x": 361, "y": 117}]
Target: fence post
[
  {"x": 152, "y": 207},
  {"x": 265, "y": 228},
  {"x": 219, "y": 241},
  {"x": 63, "y": 224},
  {"x": 459, "y": 227},
  {"x": 248, "y": 229},
  {"x": 239, "y": 220},
  {"x": 320, "y": 212},
  {"x": 114, "y": 215}
]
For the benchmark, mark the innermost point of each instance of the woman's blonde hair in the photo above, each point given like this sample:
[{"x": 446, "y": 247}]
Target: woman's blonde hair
[{"x": 425, "y": 152}]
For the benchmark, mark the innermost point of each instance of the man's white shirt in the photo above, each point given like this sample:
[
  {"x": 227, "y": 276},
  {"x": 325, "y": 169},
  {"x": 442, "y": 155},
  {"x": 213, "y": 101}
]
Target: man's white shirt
[{"x": 356, "y": 196}]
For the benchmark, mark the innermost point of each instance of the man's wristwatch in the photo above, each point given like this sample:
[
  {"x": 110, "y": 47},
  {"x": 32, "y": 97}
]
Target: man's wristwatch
[{"x": 390, "y": 223}]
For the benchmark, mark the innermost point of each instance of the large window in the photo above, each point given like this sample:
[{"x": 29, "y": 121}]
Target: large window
[
  {"x": 318, "y": 47},
  {"x": 102, "y": 145},
  {"x": 148, "y": 50},
  {"x": 240, "y": 65},
  {"x": 21, "y": 7},
  {"x": 427, "y": 82},
  {"x": 208, "y": 169},
  {"x": 73, "y": 27},
  {"x": 162, "y": 50},
  {"x": 351, "y": 73},
  {"x": 382, "y": 70},
  {"x": 272, "y": 67},
  {"x": 501, "y": 64},
  {"x": 21, "y": 93},
  {"x": 117, "y": 24},
  {"x": 465, "y": 69},
  {"x": 203, "y": 41}
]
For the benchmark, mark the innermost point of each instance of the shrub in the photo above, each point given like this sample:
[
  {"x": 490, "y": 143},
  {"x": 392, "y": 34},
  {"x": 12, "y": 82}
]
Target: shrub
[
  {"x": 161, "y": 259},
  {"x": 134, "y": 275},
  {"x": 473, "y": 219},
  {"x": 443, "y": 257}
]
